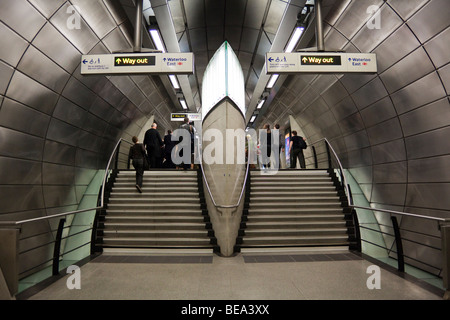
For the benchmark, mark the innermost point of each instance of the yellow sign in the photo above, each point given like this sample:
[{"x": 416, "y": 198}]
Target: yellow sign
[
  {"x": 124, "y": 61},
  {"x": 321, "y": 60}
]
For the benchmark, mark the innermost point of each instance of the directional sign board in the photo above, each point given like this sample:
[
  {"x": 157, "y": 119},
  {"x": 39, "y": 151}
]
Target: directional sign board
[
  {"x": 181, "y": 116},
  {"x": 135, "y": 63},
  {"x": 320, "y": 62}
]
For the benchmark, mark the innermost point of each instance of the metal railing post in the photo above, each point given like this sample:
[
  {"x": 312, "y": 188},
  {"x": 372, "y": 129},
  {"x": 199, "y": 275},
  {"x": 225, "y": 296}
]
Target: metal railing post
[
  {"x": 329, "y": 155},
  {"x": 116, "y": 162},
  {"x": 57, "y": 247},
  {"x": 316, "y": 163},
  {"x": 398, "y": 242},
  {"x": 357, "y": 231},
  {"x": 445, "y": 236}
]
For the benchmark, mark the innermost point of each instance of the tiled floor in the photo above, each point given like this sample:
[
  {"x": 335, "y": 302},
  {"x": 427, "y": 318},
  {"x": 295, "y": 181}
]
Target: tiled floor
[{"x": 246, "y": 276}]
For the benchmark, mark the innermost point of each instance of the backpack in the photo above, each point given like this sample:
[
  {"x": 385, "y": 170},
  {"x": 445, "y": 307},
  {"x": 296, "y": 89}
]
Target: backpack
[{"x": 303, "y": 144}]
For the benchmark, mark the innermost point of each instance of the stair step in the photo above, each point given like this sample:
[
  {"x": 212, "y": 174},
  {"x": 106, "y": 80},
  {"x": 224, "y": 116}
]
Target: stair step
[
  {"x": 153, "y": 212},
  {"x": 158, "y": 199},
  {"x": 154, "y": 206},
  {"x": 294, "y": 199},
  {"x": 293, "y": 193},
  {"x": 131, "y": 233},
  {"x": 288, "y": 187},
  {"x": 300, "y": 210},
  {"x": 290, "y": 172},
  {"x": 158, "y": 178},
  {"x": 141, "y": 225},
  {"x": 293, "y": 219},
  {"x": 298, "y": 225},
  {"x": 160, "y": 250},
  {"x": 291, "y": 178},
  {"x": 280, "y": 206},
  {"x": 297, "y": 184},
  {"x": 251, "y": 232},
  {"x": 162, "y": 219},
  {"x": 296, "y": 240},
  {"x": 153, "y": 189},
  {"x": 151, "y": 241},
  {"x": 160, "y": 173},
  {"x": 295, "y": 214},
  {"x": 147, "y": 194},
  {"x": 152, "y": 183}
]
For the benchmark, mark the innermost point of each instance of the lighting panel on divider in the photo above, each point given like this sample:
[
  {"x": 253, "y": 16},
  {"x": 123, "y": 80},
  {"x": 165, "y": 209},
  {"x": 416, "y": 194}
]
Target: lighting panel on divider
[
  {"x": 235, "y": 79},
  {"x": 223, "y": 77}
]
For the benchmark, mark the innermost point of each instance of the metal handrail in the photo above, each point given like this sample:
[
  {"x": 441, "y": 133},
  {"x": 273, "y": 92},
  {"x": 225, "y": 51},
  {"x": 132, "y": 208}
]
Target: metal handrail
[
  {"x": 401, "y": 213},
  {"x": 347, "y": 191},
  {"x": 76, "y": 211},
  {"x": 240, "y": 196},
  {"x": 350, "y": 200}
]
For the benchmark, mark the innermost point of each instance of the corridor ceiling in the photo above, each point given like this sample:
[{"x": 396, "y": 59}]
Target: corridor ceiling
[{"x": 201, "y": 26}]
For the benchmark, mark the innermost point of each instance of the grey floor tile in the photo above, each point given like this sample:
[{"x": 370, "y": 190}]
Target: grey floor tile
[
  {"x": 242, "y": 277},
  {"x": 302, "y": 257}
]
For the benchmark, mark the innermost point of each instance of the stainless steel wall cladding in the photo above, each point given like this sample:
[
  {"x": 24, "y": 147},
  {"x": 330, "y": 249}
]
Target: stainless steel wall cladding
[
  {"x": 390, "y": 129},
  {"x": 58, "y": 127}
]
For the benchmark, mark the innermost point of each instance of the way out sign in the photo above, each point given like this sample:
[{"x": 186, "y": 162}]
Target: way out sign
[
  {"x": 138, "y": 63},
  {"x": 320, "y": 62},
  {"x": 126, "y": 61}
]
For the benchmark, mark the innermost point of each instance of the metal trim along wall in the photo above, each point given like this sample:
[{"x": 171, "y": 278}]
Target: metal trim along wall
[{"x": 390, "y": 129}]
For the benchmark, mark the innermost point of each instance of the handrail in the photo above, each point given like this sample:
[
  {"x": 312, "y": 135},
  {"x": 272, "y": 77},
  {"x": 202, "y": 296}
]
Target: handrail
[
  {"x": 240, "y": 196},
  {"x": 106, "y": 171},
  {"x": 76, "y": 211},
  {"x": 347, "y": 191},
  {"x": 350, "y": 200},
  {"x": 402, "y": 213}
]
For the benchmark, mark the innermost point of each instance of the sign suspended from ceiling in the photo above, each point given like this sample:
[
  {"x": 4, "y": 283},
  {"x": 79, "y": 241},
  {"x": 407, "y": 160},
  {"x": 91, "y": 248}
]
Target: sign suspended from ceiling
[
  {"x": 320, "y": 62},
  {"x": 138, "y": 63},
  {"x": 181, "y": 116}
]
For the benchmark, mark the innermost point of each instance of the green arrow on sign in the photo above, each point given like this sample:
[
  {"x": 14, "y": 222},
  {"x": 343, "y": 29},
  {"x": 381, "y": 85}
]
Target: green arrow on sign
[{"x": 118, "y": 60}]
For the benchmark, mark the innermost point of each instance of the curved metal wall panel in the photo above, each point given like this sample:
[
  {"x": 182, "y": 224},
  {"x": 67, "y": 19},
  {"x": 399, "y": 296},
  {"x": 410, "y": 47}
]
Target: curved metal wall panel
[
  {"x": 390, "y": 129},
  {"x": 57, "y": 128}
]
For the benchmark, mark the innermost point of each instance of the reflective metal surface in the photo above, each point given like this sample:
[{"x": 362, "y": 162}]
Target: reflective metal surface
[
  {"x": 57, "y": 128},
  {"x": 393, "y": 126}
]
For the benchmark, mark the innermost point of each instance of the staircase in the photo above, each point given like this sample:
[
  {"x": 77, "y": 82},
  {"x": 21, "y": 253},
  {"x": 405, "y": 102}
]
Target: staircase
[
  {"x": 294, "y": 208},
  {"x": 169, "y": 215}
]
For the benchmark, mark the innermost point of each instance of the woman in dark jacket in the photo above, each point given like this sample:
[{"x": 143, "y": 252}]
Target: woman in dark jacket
[{"x": 137, "y": 154}]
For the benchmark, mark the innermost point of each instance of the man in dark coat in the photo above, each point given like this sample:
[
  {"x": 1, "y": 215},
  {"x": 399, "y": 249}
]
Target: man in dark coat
[
  {"x": 168, "y": 146},
  {"x": 153, "y": 144}
]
